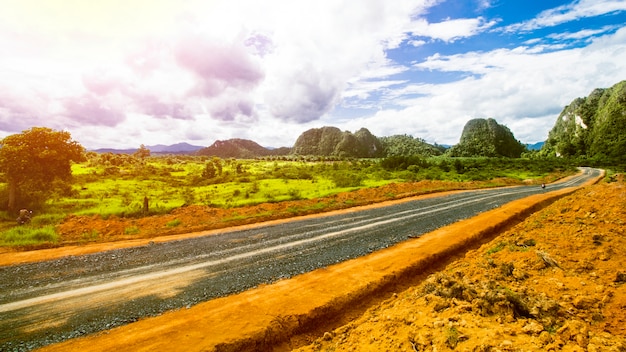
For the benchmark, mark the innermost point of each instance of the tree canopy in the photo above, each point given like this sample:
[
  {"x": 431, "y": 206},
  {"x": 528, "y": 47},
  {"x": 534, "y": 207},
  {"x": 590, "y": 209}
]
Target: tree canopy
[
  {"x": 405, "y": 145},
  {"x": 37, "y": 163}
]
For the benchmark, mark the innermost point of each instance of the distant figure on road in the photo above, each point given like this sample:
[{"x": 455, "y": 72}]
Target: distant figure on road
[{"x": 543, "y": 185}]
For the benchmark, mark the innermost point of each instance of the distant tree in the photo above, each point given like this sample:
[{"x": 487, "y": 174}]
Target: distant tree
[
  {"x": 37, "y": 163},
  {"x": 405, "y": 145},
  {"x": 142, "y": 152},
  {"x": 209, "y": 170},
  {"x": 217, "y": 162}
]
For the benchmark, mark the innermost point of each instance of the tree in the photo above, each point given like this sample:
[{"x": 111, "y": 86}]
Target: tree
[
  {"x": 37, "y": 163},
  {"x": 142, "y": 152},
  {"x": 209, "y": 170}
]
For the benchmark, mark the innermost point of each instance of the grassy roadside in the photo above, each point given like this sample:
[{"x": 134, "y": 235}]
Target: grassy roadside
[{"x": 242, "y": 192}]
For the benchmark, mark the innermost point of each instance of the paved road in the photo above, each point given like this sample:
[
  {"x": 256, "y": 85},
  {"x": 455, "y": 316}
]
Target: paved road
[{"x": 42, "y": 303}]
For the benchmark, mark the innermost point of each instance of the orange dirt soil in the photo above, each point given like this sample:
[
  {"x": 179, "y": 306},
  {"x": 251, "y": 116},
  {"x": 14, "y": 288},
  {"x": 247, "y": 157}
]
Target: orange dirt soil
[{"x": 555, "y": 281}]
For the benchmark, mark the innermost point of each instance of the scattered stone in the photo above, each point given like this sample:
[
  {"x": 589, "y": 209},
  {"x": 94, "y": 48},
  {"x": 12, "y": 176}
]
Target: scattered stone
[
  {"x": 576, "y": 331},
  {"x": 532, "y": 328},
  {"x": 583, "y": 302},
  {"x": 519, "y": 274},
  {"x": 547, "y": 260},
  {"x": 545, "y": 337},
  {"x": 506, "y": 344},
  {"x": 597, "y": 239},
  {"x": 621, "y": 277}
]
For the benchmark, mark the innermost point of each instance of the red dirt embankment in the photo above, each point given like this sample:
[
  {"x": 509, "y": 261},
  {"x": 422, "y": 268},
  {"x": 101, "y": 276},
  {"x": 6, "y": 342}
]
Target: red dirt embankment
[{"x": 552, "y": 282}]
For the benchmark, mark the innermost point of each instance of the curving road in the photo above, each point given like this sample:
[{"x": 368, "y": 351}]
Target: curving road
[{"x": 47, "y": 302}]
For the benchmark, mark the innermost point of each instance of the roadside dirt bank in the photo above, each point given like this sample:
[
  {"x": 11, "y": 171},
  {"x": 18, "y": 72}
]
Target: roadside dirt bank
[
  {"x": 292, "y": 313},
  {"x": 555, "y": 282}
]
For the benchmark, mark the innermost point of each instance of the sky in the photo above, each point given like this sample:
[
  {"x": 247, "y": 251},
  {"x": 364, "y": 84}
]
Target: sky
[{"x": 121, "y": 73}]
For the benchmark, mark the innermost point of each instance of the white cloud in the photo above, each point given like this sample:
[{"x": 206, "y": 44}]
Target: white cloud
[
  {"x": 200, "y": 70},
  {"x": 582, "y": 34},
  {"x": 96, "y": 67},
  {"x": 451, "y": 30},
  {"x": 521, "y": 88},
  {"x": 570, "y": 12}
]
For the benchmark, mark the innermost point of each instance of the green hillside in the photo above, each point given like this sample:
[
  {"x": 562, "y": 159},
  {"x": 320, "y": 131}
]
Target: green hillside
[
  {"x": 487, "y": 138},
  {"x": 592, "y": 127}
]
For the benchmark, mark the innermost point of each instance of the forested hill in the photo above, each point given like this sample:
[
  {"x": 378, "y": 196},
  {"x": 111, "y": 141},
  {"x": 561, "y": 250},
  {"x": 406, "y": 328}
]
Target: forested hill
[
  {"x": 240, "y": 149},
  {"x": 592, "y": 126},
  {"x": 485, "y": 137},
  {"x": 331, "y": 141},
  {"x": 405, "y": 145}
]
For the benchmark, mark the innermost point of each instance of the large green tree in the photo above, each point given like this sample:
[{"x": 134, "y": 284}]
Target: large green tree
[{"x": 36, "y": 163}]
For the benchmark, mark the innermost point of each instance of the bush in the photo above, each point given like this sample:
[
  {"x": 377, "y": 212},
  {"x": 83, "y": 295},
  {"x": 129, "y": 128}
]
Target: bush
[
  {"x": 47, "y": 219},
  {"x": 28, "y": 236},
  {"x": 173, "y": 223},
  {"x": 346, "y": 179}
]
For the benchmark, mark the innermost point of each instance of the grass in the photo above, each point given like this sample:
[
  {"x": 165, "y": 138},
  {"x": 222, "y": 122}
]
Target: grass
[
  {"x": 28, "y": 235},
  {"x": 500, "y": 246},
  {"x": 116, "y": 185},
  {"x": 452, "y": 337},
  {"x": 131, "y": 230},
  {"x": 173, "y": 223}
]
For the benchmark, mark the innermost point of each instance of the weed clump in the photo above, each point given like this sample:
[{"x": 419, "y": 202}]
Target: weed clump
[{"x": 29, "y": 236}]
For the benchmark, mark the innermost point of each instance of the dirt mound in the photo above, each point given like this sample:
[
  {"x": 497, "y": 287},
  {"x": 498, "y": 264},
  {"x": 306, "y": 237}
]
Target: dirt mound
[{"x": 554, "y": 282}]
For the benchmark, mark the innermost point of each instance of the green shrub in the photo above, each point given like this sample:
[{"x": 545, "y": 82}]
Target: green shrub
[
  {"x": 28, "y": 235},
  {"x": 173, "y": 223},
  {"x": 131, "y": 230},
  {"x": 346, "y": 179},
  {"x": 47, "y": 219},
  {"x": 500, "y": 246}
]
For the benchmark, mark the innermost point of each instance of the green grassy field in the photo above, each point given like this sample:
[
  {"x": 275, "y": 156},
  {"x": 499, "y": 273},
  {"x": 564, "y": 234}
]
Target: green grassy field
[{"x": 109, "y": 185}]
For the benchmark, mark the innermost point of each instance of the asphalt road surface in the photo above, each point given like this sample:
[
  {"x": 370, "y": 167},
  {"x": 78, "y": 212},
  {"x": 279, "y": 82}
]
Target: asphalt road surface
[{"x": 47, "y": 302}]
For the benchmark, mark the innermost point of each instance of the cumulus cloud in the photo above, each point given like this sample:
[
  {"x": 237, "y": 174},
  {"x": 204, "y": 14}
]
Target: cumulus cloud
[
  {"x": 217, "y": 65},
  {"x": 205, "y": 63},
  {"x": 310, "y": 94},
  {"x": 153, "y": 105},
  {"x": 334, "y": 43},
  {"x": 206, "y": 70},
  {"x": 521, "y": 87},
  {"x": 14, "y": 115},
  {"x": 233, "y": 107},
  {"x": 89, "y": 110},
  {"x": 260, "y": 43}
]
